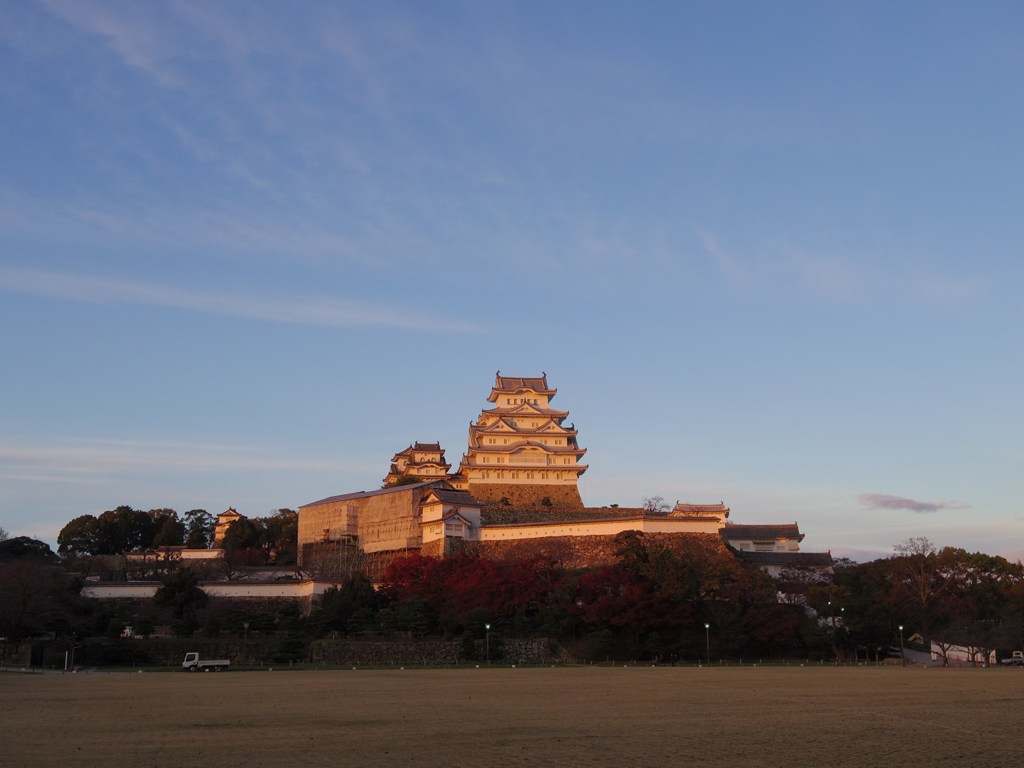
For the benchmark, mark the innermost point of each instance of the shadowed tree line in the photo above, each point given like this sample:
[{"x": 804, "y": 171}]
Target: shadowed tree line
[
  {"x": 256, "y": 540},
  {"x": 652, "y": 603},
  {"x": 948, "y": 596},
  {"x": 689, "y": 599}
]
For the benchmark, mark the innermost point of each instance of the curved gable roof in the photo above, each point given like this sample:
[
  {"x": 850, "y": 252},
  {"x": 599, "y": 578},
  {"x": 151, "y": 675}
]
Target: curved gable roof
[{"x": 510, "y": 384}]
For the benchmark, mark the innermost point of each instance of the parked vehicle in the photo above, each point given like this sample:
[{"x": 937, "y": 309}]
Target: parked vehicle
[
  {"x": 1016, "y": 660},
  {"x": 193, "y": 663}
]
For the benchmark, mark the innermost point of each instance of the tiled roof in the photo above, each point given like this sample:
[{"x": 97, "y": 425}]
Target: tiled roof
[
  {"x": 432, "y": 447},
  {"x": 762, "y": 532},
  {"x": 455, "y": 497},
  {"x": 516, "y": 383},
  {"x": 698, "y": 510},
  {"x": 792, "y": 559},
  {"x": 535, "y": 383},
  {"x": 378, "y": 492},
  {"x": 526, "y": 409},
  {"x": 504, "y": 425},
  {"x": 519, "y": 444}
]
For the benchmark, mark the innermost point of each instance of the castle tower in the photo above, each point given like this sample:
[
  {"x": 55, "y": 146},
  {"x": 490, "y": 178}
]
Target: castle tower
[
  {"x": 420, "y": 462},
  {"x": 224, "y": 521},
  {"x": 519, "y": 450}
]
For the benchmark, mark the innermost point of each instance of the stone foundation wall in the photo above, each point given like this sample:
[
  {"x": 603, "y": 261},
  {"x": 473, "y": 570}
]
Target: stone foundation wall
[
  {"x": 569, "y": 552},
  {"x": 525, "y": 495},
  {"x": 574, "y": 552},
  {"x": 376, "y": 564}
]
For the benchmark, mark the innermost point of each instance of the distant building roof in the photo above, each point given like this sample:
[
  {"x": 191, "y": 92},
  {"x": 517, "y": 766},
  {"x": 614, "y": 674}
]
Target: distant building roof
[
  {"x": 429, "y": 447},
  {"x": 380, "y": 491},
  {"x": 790, "y": 531},
  {"x": 790, "y": 559},
  {"x": 447, "y": 496},
  {"x": 699, "y": 510},
  {"x": 516, "y": 383}
]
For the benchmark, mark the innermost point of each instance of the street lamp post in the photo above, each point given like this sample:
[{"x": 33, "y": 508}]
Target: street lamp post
[
  {"x": 903, "y": 656},
  {"x": 73, "y": 648},
  {"x": 487, "y": 643},
  {"x": 845, "y": 636},
  {"x": 245, "y": 639},
  {"x": 832, "y": 622},
  {"x": 707, "y": 640}
]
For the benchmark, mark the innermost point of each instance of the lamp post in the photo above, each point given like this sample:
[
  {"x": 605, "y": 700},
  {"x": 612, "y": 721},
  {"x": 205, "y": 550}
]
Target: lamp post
[
  {"x": 903, "y": 657},
  {"x": 73, "y": 648},
  {"x": 707, "y": 640},
  {"x": 487, "y": 643},
  {"x": 832, "y": 627},
  {"x": 245, "y": 639},
  {"x": 845, "y": 636}
]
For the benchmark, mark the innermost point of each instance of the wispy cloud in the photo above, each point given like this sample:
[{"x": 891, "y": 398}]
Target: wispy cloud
[
  {"x": 137, "y": 42},
  {"x": 79, "y": 458},
  {"x": 312, "y": 310},
  {"x": 885, "y": 501},
  {"x": 785, "y": 267}
]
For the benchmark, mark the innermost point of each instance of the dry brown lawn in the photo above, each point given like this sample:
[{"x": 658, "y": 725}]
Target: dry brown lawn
[{"x": 634, "y": 716}]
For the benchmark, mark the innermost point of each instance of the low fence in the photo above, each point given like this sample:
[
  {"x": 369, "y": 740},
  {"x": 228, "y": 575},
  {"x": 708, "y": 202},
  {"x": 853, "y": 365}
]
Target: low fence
[{"x": 427, "y": 652}]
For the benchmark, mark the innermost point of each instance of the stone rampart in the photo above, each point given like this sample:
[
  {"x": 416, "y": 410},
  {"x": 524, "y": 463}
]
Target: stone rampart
[
  {"x": 527, "y": 494},
  {"x": 573, "y": 552}
]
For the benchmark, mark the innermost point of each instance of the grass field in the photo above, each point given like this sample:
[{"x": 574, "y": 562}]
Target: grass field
[{"x": 512, "y": 717}]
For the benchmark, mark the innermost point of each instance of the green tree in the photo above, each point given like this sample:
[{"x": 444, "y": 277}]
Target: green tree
[
  {"x": 921, "y": 580},
  {"x": 338, "y": 607},
  {"x": 243, "y": 533},
  {"x": 25, "y": 548},
  {"x": 79, "y": 538},
  {"x": 180, "y": 592},
  {"x": 171, "y": 531},
  {"x": 124, "y": 530},
  {"x": 199, "y": 529},
  {"x": 282, "y": 535}
]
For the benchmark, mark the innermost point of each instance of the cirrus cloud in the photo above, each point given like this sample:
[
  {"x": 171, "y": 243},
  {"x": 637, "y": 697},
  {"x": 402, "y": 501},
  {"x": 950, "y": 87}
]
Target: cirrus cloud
[
  {"x": 885, "y": 501},
  {"x": 321, "y": 311}
]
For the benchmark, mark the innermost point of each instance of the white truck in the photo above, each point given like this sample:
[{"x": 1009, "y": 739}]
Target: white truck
[
  {"x": 1016, "y": 660},
  {"x": 193, "y": 663}
]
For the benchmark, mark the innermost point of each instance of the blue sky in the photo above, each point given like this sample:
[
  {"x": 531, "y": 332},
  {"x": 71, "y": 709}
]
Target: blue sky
[{"x": 770, "y": 254}]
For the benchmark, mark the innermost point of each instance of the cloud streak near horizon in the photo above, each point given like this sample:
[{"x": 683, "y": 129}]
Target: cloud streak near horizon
[
  {"x": 78, "y": 457},
  {"x": 319, "y": 311},
  {"x": 885, "y": 501}
]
